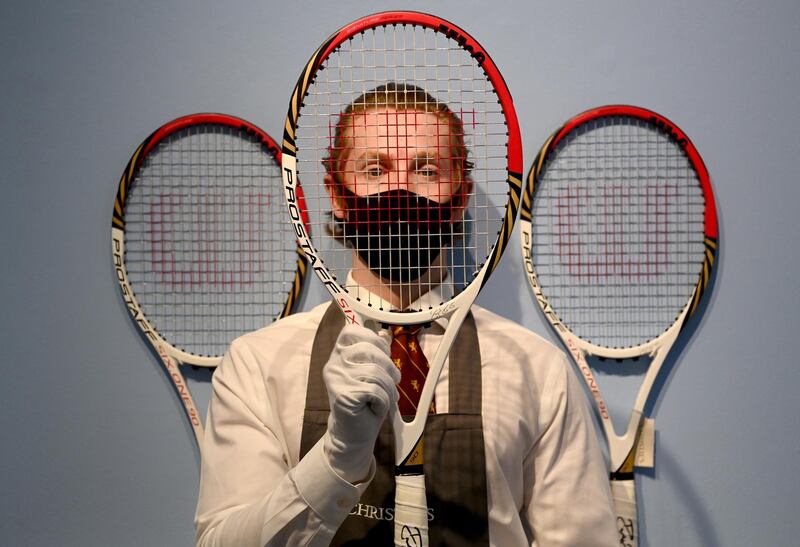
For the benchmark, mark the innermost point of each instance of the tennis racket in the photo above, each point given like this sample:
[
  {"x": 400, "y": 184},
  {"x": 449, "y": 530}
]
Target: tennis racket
[
  {"x": 619, "y": 237},
  {"x": 200, "y": 243},
  {"x": 391, "y": 109}
]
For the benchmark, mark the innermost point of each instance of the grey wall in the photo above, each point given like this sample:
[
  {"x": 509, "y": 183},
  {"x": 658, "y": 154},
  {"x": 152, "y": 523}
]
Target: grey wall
[{"x": 95, "y": 450}]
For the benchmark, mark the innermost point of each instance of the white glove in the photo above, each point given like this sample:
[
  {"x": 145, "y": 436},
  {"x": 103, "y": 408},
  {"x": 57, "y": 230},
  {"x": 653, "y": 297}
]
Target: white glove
[{"x": 361, "y": 381}]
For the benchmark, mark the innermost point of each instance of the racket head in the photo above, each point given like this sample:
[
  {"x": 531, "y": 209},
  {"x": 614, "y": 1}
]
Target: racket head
[
  {"x": 200, "y": 245},
  {"x": 415, "y": 75},
  {"x": 619, "y": 229}
]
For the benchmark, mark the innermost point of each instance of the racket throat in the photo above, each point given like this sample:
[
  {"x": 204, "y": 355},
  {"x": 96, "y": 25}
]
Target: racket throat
[{"x": 413, "y": 462}]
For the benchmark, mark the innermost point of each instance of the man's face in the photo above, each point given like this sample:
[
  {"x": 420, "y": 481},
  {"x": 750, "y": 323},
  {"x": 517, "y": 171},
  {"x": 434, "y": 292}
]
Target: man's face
[{"x": 389, "y": 149}]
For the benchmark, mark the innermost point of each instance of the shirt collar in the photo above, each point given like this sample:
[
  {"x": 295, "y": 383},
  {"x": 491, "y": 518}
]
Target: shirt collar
[{"x": 431, "y": 299}]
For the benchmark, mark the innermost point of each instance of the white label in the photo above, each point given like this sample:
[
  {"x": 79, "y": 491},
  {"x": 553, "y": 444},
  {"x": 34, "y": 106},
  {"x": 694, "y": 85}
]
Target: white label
[{"x": 645, "y": 447}]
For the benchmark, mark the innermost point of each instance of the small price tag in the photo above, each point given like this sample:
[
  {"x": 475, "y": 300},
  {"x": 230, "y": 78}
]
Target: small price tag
[{"x": 645, "y": 447}]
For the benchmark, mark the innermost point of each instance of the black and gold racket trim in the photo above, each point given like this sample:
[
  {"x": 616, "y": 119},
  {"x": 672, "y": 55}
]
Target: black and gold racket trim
[
  {"x": 526, "y": 209},
  {"x": 512, "y": 208},
  {"x": 705, "y": 274},
  {"x": 118, "y": 216},
  {"x": 300, "y": 90}
]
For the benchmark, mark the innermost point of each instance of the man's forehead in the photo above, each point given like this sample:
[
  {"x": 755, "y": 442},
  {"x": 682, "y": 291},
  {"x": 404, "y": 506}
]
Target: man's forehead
[{"x": 395, "y": 121}]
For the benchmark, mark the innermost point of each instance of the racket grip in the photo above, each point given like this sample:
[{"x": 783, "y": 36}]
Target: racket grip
[
  {"x": 410, "y": 512},
  {"x": 624, "y": 494}
]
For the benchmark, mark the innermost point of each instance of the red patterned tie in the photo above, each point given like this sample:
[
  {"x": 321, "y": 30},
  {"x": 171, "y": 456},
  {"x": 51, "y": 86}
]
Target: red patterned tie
[{"x": 413, "y": 365}]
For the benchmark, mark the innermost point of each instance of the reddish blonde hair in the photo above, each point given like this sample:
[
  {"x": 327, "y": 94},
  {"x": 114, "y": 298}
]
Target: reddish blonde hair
[{"x": 399, "y": 96}]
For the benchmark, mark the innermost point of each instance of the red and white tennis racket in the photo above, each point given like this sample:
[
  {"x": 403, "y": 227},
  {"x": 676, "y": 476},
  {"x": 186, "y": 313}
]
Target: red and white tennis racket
[
  {"x": 200, "y": 243},
  {"x": 406, "y": 139},
  {"x": 619, "y": 237}
]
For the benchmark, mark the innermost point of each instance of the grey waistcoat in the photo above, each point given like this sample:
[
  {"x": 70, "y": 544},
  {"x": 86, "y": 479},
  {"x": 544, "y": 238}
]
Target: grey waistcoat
[{"x": 455, "y": 465}]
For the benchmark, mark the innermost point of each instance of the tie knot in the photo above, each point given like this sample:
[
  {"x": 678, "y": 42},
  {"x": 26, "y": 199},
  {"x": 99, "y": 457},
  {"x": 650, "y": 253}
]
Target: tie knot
[{"x": 409, "y": 331}]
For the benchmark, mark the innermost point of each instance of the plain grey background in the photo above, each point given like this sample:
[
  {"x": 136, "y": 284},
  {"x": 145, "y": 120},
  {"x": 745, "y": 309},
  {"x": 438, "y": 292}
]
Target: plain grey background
[{"x": 94, "y": 448}]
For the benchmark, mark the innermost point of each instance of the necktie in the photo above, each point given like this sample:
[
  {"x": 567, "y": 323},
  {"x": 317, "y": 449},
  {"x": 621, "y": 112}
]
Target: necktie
[{"x": 408, "y": 357}]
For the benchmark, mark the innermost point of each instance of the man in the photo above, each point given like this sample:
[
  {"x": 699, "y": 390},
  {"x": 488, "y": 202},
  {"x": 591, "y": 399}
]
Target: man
[{"x": 281, "y": 469}]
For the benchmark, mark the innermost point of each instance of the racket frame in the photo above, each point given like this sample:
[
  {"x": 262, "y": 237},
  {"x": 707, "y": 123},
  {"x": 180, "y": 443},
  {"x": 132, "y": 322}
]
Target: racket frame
[
  {"x": 456, "y": 309},
  {"x": 621, "y": 447},
  {"x": 171, "y": 356}
]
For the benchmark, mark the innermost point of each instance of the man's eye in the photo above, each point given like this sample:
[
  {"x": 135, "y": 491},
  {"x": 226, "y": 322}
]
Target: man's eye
[
  {"x": 428, "y": 171},
  {"x": 373, "y": 171}
]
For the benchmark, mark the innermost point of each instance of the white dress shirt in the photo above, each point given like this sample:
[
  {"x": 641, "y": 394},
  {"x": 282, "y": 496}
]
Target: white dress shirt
[{"x": 546, "y": 477}]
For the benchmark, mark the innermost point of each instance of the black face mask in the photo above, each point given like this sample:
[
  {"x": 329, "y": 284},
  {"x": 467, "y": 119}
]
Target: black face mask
[{"x": 398, "y": 234}]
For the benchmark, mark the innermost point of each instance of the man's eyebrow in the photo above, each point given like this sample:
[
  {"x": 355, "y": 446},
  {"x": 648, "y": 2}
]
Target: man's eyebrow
[
  {"x": 371, "y": 155},
  {"x": 426, "y": 156}
]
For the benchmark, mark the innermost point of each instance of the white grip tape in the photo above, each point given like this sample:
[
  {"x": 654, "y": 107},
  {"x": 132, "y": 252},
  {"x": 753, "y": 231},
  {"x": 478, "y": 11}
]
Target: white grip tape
[
  {"x": 624, "y": 494},
  {"x": 410, "y": 512}
]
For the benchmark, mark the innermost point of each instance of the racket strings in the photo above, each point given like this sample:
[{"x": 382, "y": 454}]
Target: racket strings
[
  {"x": 205, "y": 258},
  {"x": 618, "y": 231},
  {"x": 430, "y": 129}
]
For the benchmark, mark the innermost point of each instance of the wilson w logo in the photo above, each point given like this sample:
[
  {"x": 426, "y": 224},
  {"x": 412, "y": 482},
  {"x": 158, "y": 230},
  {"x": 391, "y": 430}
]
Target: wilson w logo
[
  {"x": 208, "y": 240},
  {"x": 615, "y": 231}
]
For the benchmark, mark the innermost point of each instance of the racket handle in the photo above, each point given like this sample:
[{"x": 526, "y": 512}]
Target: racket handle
[
  {"x": 410, "y": 512},
  {"x": 624, "y": 494}
]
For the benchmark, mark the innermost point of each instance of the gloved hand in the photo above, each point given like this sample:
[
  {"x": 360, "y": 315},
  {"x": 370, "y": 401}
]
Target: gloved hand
[{"x": 361, "y": 381}]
